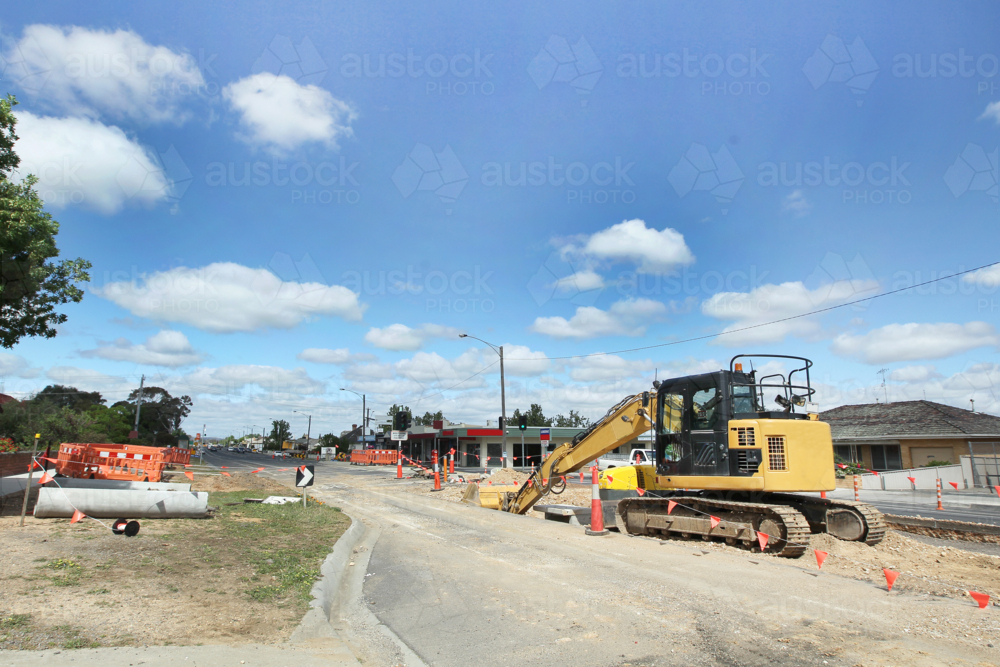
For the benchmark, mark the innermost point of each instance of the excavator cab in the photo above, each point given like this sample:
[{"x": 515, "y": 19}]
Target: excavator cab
[{"x": 694, "y": 415}]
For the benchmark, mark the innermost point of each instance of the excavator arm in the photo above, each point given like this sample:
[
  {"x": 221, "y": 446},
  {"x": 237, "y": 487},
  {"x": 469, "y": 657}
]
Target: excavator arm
[{"x": 632, "y": 417}]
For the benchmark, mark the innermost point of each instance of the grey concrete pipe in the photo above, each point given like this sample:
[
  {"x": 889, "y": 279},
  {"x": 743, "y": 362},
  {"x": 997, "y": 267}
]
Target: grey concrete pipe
[{"x": 56, "y": 503}]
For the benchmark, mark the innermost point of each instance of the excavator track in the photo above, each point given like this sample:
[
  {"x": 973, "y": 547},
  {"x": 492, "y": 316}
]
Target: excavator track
[
  {"x": 787, "y": 527},
  {"x": 871, "y": 526},
  {"x": 874, "y": 520}
]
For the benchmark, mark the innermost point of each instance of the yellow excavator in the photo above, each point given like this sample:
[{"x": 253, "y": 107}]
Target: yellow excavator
[{"x": 719, "y": 453}]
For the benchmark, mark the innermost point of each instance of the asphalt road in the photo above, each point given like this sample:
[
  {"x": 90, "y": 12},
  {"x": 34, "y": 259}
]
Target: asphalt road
[{"x": 462, "y": 585}]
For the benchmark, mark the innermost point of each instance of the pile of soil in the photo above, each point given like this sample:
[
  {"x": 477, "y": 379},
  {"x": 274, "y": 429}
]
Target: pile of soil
[
  {"x": 508, "y": 476},
  {"x": 240, "y": 481}
]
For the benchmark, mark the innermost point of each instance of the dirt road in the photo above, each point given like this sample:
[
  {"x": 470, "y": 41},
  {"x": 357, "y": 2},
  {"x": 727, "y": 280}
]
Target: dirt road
[{"x": 463, "y": 585}]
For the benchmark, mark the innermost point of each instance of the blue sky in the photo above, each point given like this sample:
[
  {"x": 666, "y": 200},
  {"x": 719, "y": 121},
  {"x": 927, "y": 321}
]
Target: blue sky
[{"x": 560, "y": 180}]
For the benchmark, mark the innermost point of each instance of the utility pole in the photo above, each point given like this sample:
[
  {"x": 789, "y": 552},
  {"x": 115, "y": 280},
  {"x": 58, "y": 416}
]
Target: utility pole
[
  {"x": 885, "y": 391},
  {"x": 503, "y": 412},
  {"x": 138, "y": 406}
]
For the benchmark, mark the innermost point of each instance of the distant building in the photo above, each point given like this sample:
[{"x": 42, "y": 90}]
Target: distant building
[{"x": 910, "y": 434}]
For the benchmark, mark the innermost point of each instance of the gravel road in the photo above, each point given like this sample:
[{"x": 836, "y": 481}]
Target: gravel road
[{"x": 462, "y": 585}]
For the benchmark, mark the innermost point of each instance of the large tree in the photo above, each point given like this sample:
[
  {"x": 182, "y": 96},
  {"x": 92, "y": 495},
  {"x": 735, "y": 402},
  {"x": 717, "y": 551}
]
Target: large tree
[
  {"x": 535, "y": 416},
  {"x": 280, "y": 432},
  {"x": 429, "y": 418},
  {"x": 69, "y": 397},
  {"x": 31, "y": 284},
  {"x": 160, "y": 415},
  {"x": 574, "y": 420}
]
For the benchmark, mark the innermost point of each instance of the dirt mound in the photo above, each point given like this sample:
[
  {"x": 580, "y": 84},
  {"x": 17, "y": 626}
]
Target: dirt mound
[
  {"x": 508, "y": 476},
  {"x": 240, "y": 481}
]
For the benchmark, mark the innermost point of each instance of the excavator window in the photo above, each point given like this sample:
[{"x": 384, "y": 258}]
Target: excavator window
[
  {"x": 671, "y": 413},
  {"x": 705, "y": 403}
]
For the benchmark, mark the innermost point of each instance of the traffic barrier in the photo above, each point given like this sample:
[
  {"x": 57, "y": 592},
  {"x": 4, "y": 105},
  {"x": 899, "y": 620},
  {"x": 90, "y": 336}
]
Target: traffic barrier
[
  {"x": 596, "y": 507},
  {"x": 113, "y": 461}
]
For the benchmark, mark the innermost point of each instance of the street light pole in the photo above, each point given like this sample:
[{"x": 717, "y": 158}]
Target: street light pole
[
  {"x": 503, "y": 401},
  {"x": 308, "y": 428},
  {"x": 364, "y": 414}
]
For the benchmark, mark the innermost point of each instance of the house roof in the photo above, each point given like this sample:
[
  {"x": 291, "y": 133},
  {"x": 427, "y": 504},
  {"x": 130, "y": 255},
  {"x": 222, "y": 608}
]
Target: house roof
[{"x": 908, "y": 419}]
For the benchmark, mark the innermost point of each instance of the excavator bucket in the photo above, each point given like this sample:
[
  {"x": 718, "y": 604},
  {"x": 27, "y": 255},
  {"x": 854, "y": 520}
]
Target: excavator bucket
[
  {"x": 471, "y": 494},
  {"x": 492, "y": 497}
]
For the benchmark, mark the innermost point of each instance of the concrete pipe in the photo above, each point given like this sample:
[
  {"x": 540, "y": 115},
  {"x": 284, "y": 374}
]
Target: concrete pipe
[{"x": 56, "y": 503}]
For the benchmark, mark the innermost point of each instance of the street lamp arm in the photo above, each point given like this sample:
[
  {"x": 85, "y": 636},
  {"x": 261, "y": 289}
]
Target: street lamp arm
[{"x": 495, "y": 348}]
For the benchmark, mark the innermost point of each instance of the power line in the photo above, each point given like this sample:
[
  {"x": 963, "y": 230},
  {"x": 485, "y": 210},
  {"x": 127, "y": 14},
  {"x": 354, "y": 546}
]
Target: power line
[{"x": 766, "y": 324}]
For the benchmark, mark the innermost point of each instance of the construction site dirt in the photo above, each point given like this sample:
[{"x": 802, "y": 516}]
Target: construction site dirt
[{"x": 180, "y": 581}]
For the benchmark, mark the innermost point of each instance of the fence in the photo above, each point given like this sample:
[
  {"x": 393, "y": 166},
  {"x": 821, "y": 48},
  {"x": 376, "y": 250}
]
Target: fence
[
  {"x": 112, "y": 461},
  {"x": 374, "y": 457},
  {"x": 926, "y": 478},
  {"x": 982, "y": 471}
]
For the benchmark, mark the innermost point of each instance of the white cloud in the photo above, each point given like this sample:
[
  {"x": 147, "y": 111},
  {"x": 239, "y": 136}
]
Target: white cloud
[
  {"x": 797, "y": 203},
  {"x": 910, "y": 342},
  {"x": 14, "y": 365},
  {"x": 234, "y": 379},
  {"x": 632, "y": 241},
  {"x": 914, "y": 374},
  {"x": 279, "y": 114},
  {"x": 608, "y": 367},
  {"x": 80, "y": 71},
  {"x": 581, "y": 281},
  {"x": 225, "y": 297},
  {"x": 398, "y": 337},
  {"x": 86, "y": 379},
  {"x": 624, "y": 318},
  {"x": 80, "y": 161},
  {"x": 339, "y": 357},
  {"x": 521, "y": 361},
  {"x": 992, "y": 111},
  {"x": 769, "y": 303},
  {"x": 166, "y": 348},
  {"x": 988, "y": 277}
]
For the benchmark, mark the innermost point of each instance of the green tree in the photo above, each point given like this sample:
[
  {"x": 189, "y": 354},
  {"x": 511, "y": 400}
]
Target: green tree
[
  {"x": 69, "y": 397},
  {"x": 31, "y": 285},
  {"x": 429, "y": 418},
  {"x": 280, "y": 432},
  {"x": 160, "y": 415},
  {"x": 392, "y": 414},
  {"x": 573, "y": 420},
  {"x": 535, "y": 416},
  {"x": 114, "y": 422}
]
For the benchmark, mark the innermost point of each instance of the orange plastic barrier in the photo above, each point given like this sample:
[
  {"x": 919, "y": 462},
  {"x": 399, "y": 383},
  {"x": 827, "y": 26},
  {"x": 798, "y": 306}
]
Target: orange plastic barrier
[
  {"x": 133, "y": 463},
  {"x": 373, "y": 457}
]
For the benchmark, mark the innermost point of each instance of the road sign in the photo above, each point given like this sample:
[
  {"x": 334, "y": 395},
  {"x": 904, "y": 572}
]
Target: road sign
[
  {"x": 400, "y": 435},
  {"x": 304, "y": 475},
  {"x": 543, "y": 434}
]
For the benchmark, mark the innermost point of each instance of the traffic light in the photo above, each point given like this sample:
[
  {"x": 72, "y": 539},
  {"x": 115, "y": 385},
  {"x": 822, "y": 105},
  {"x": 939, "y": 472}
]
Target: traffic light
[
  {"x": 404, "y": 421},
  {"x": 522, "y": 422},
  {"x": 500, "y": 421}
]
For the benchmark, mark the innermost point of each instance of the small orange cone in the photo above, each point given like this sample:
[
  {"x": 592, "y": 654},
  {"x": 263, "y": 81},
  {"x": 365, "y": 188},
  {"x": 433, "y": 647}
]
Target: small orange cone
[
  {"x": 890, "y": 577},
  {"x": 981, "y": 598},
  {"x": 641, "y": 491},
  {"x": 820, "y": 557},
  {"x": 954, "y": 484}
]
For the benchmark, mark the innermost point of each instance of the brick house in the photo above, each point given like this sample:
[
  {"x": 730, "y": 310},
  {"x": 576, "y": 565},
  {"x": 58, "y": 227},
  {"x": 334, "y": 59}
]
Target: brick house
[{"x": 910, "y": 434}]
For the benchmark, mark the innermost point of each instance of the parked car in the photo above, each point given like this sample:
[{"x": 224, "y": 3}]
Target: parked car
[{"x": 230, "y": 449}]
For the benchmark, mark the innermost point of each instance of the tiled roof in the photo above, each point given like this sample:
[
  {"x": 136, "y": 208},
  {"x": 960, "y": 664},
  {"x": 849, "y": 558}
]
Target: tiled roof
[{"x": 908, "y": 418}]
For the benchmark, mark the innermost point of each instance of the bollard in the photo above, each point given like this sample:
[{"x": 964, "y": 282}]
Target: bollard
[
  {"x": 857, "y": 495},
  {"x": 940, "y": 507},
  {"x": 596, "y": 509},
  {"x": 822, "y": 494},
  {"x": 444, "y": 464},
  {"x": 581, "y": 477},
  {"x": 399, "y": 464},
  {"x": 437, "y": 474},
  {"x": 451, "y": 461}
]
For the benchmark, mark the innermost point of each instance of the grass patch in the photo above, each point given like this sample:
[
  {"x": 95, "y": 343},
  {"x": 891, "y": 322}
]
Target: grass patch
[
  {"x": 98, "y": 591},
  {"x": 66, "y": 572},
  {"x": 20, "y": 632},
  {"x": 284, "y": 545}
]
